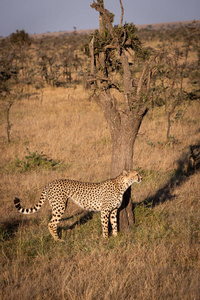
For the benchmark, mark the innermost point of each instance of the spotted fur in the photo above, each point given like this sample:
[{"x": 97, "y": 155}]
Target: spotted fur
[{"x": 105, "y": 197}]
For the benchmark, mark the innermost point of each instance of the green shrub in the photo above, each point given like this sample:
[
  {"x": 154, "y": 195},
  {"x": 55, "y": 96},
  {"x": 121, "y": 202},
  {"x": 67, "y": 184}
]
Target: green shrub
[{"x": 34, "y": 161}]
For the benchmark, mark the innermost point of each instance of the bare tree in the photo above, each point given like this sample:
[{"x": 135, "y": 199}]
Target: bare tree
[{"x": 121, "y": 82}]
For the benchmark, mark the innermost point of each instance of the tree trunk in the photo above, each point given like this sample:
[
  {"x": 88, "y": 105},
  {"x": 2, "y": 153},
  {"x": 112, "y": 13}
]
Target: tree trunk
[
  {"x": 124, "y": 128},
  {"x": 122, "y": 159},
  {"x": 123, "y": 142}
]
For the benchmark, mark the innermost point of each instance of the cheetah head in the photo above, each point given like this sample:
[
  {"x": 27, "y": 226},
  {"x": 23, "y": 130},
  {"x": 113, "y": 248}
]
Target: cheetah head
[{"x": 131, "y": 177}]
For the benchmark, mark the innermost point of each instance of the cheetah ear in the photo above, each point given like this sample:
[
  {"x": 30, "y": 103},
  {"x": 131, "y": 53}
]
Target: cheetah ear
[{"x": 124, "y": 172}]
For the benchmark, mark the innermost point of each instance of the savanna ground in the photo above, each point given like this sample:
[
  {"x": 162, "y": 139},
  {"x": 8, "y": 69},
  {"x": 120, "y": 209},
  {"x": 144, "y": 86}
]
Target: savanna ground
[{"x": 60, "y": 133}]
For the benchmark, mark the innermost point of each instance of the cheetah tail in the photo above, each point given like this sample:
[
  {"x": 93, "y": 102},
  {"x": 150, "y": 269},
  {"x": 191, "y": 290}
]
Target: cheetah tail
[{"x": 29, "y": 210}]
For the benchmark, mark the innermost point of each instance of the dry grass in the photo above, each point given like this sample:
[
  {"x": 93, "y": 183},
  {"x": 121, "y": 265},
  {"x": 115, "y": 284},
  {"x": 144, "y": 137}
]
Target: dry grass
[{"x": 157, "y": 259}]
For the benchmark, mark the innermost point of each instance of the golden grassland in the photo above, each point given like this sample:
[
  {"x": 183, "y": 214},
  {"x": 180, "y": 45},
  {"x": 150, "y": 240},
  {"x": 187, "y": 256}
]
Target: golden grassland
[{"x": 157, "y": 259}]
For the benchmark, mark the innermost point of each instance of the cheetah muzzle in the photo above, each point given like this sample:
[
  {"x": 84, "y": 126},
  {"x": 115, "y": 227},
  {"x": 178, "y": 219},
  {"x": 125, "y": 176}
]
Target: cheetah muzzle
[{"x": 105, "y": 197}]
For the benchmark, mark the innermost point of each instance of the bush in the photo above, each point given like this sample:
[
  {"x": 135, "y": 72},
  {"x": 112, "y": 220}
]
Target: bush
[{"x": 34, "y": 161}]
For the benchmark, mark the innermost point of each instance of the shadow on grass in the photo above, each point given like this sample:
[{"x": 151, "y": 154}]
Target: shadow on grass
[
  {"x": 9, "y": 227},
  {"x": 85, "y": 216},
  {"x": 188, "y": 164}
]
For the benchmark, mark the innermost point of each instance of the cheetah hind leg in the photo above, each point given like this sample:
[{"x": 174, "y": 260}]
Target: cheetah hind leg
[
  {"x": 104, "y": 222},
  {"x": 53, "y": 224},
  {"x": 113, "y": 221}
]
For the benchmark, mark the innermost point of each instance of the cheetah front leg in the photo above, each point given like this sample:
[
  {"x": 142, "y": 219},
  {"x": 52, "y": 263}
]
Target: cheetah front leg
[
  {"x": 113, "y": 221},
  {"x": 104, "y": 222}
]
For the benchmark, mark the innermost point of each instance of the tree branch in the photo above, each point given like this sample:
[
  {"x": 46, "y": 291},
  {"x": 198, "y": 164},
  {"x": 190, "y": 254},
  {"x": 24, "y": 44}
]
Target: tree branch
[
  {"x": 91, "y": 49},
  {"x": 127, "y": 73},
  {"x": 140, "y": 83},
  {"x": 122, "y": 13},
  {"x": 110, "y": 84},
  {"x": 108, "y": 104},
  {"x": 106, "y": 15}
]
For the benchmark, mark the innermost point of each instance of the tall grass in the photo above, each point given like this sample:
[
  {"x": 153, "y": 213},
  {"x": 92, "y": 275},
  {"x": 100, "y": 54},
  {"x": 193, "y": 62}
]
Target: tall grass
[{"x": 157, "y": 259}]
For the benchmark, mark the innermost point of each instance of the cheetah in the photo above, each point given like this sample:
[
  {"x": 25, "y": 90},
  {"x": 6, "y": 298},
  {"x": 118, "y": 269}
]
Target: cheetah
[{"x": 105, "y": 197}]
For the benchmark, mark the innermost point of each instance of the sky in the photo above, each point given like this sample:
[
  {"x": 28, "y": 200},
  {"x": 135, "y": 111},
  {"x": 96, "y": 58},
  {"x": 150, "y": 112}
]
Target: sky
[{"x": 40, "y": 16}]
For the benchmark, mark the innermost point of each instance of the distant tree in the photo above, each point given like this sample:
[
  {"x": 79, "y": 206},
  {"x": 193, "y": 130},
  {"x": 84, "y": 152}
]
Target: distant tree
[
  {"x": 173, "y": 67},
  {"x": 10, "y": 65},
  {"x": 20, "y": 37},
  {"x": 20, "y": 43}
]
